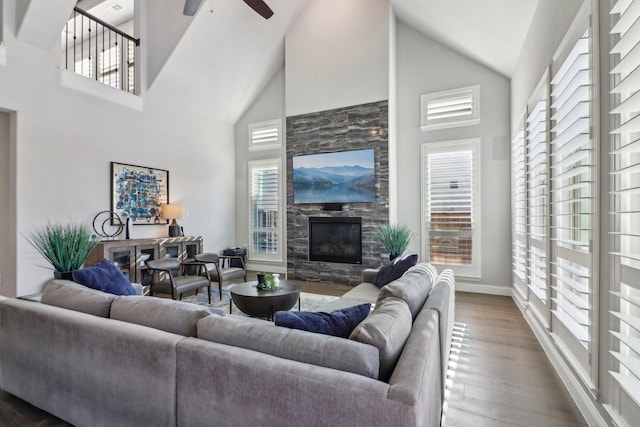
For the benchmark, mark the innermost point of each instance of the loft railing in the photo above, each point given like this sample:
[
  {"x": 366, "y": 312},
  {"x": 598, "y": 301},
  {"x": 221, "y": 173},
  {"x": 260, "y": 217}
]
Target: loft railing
[{"x": 96, "y": 49}]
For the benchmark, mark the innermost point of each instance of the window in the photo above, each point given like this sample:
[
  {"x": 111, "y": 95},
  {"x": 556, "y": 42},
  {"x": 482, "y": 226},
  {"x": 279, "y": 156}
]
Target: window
[
  {"x": 537, "y": 194},
  {"x": 265, "y": 135},
  {"x": 109, "y": 67},
  {"x": 265, "y": 220},
  {"x": 573, "y": 187},
  {"x": 451, "y": 178},
  {"x": 625, "y": 219},
  {"x": 519, "y": 221},
  {"x": 450, "y": 108}
]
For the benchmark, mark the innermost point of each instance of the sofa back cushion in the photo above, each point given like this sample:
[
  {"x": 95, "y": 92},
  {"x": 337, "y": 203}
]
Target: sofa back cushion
[
  {"x": 72, "y": 296},
  {"x": 413, "y": 288},
  {"x": 164, "y": 314},
  {"x": 387, "y": 328},
  {"x": 292, "y": 344}
]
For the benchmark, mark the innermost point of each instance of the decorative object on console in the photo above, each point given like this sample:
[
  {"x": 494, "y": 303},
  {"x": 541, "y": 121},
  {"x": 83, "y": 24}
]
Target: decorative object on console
[
  {"x": 394, "y": 270},
  {"x": 339, "y": 323},
  {"x": 105, "y": 277},
  {"x": 65, "y": 246},
  {"x": 104, "y": 218},
  {"x": 394, "y": 237},
  {"x": 138, "y": 191},
  {"x": 173, "y": 212}
]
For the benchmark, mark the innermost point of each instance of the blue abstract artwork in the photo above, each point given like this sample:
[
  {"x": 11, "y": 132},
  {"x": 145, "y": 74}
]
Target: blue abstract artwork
[{"x": 138, "y": 191}]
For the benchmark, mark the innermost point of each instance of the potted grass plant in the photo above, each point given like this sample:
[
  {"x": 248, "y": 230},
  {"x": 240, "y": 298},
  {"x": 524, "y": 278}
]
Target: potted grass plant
[
  {"x": 394, "y": 237},
  {"x": 65, "y": 246}
]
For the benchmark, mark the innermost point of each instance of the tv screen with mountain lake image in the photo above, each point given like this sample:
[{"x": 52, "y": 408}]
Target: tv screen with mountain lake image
[{"x": 342, "y": 177}]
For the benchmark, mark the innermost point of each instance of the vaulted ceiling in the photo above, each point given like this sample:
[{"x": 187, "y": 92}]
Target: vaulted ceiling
[{"x": 222, "y": 57}]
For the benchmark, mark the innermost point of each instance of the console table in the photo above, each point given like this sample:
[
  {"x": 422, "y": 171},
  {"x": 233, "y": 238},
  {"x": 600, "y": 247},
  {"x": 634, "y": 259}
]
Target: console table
[{"x": 131, "y": 255}]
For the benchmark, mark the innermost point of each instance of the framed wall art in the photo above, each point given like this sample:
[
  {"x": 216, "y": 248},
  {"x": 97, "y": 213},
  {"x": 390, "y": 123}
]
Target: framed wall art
[{"x": 138, "y": 191}]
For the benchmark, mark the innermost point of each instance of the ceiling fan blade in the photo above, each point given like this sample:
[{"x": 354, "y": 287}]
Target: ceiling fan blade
[
  {"x": 190, "y": 7},
  {"x": 260, "y": 7}
]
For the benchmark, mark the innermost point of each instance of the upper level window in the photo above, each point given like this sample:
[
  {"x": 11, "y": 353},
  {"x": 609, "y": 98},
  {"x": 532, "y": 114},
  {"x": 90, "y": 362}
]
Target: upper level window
[
  {"x": 450, "y": 108},
  {"x": 265, "y": 135}
]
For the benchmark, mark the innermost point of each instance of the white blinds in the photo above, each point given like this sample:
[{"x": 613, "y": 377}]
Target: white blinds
[
  {"x": 450, "y": 203},
  {"x": 265, "y": 135},
  {"x": 264, "y": 204},
  {"x": 519, "y": 246},
  {"x": 536, "y": 167},
  {"x": 625, "y": 202},
  {"x": 572, "y": 192},
  {"x": 456, "y": 107}
]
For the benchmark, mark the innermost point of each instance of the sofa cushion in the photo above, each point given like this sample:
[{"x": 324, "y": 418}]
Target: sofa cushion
[
  {"x": 73, "y": 296},
  {"x": 413, "y": 288},
  {"x": 105, "y": 277},
  {"x": 164, "y": 314},
  {"x": 338, "y": 323},
  {"x": 394, "y": 270},
  {"x": 264, "y": 337},
  {"x": 387, "y": 328}
]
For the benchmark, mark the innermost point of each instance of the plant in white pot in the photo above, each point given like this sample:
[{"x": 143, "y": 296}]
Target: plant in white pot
[
  {"x": 65, "y": 246},
  {"x": 394, "y": 237}
]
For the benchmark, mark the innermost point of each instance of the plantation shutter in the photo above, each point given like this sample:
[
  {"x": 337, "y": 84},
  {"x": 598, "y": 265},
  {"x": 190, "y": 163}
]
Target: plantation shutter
[
  {"x": 265, "y": 135},
  {"x": 264, "y": 216},
  {"x": 625, "y": 218},
  {"x": 519, "y": 222},
  {"x": 536, "y": 160},
  {"x": 573, "y": 188},
  {"x": 450, "y": 108},
  {"x": 451, "y": 188}
]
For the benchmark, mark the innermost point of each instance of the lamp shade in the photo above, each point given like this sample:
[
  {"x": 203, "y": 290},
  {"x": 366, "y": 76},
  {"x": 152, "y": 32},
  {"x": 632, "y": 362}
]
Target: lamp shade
[{"x": 172, "y": 211}]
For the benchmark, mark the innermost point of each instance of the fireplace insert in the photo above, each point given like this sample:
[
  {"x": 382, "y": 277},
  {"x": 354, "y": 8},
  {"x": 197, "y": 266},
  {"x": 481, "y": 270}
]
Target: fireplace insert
[{"x": 335, "y": 239}]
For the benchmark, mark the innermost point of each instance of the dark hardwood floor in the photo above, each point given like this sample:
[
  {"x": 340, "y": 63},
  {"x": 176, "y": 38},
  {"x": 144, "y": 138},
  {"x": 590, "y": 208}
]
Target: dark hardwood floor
[{"x": 499, "y": 375}]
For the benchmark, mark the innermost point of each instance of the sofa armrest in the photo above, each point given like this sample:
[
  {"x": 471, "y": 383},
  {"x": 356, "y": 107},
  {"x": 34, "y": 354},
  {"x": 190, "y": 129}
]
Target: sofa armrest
[{"x": 368, "y": 274}]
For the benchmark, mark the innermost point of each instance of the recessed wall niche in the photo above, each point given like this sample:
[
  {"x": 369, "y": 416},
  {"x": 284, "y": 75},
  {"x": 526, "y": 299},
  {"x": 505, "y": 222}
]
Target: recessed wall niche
[{"x": 349, "y": 128}]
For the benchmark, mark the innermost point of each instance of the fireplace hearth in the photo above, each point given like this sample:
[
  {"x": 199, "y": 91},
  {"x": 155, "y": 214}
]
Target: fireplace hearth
[{"x": 335, "y": 239}]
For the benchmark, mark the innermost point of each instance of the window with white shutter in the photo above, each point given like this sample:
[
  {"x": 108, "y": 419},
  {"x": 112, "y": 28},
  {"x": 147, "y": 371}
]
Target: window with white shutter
[
  {"x": 573, "y": 189},
  {"x": 265, "y": 135},
  {"x": 265, "y": 232},
  {"x": 536, "y": 142},
  {"x": 450, "y": 108},
  {"x": 625, "y": 218},
  {"x": 451, "y": 204},
  {"x": 519, "y": 220}
]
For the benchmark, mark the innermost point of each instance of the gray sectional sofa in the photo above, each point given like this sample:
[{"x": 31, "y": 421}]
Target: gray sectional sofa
[{"x": 94, "y": 359}]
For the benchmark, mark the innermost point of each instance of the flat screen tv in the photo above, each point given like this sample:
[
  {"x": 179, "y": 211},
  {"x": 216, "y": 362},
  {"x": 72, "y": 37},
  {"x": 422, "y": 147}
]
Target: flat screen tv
[{"x": 340, "y": 177}]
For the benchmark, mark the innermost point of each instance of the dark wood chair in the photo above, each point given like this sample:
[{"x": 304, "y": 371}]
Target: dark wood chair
[
  {"x": 218, "y": 268},
  {"x": 167, "y": 277}
]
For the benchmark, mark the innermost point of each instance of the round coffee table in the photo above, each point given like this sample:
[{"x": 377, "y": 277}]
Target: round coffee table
[{"x": 257, "y": 303}]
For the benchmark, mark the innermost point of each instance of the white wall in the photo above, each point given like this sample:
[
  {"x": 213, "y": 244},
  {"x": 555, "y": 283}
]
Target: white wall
[
  {"x": 269, "y": 105},
  {"x": 548, "y": 27},
  {"x": 424, "y": 66},
  {"x": 7, "y": 266},
  {"x": 66, "y": 139},
  {"x": 337, "y": 55}
]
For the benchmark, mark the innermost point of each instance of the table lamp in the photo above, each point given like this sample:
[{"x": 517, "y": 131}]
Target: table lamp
[{"x": 173, "y": 212}]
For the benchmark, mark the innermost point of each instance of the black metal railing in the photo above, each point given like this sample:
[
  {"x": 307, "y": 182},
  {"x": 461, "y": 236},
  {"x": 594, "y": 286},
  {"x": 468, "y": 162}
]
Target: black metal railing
[{"x": 98, "y": 50}]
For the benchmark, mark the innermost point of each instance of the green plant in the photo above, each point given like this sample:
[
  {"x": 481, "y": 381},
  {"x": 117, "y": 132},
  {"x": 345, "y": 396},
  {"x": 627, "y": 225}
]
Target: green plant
[
  {"x": 65, "y": 246},
  {"x": 394, "y": 237}
]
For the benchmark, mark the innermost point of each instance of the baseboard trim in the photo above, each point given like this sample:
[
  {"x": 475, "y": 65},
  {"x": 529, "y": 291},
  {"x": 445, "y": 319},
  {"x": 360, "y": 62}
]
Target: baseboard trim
[
  {"x": 580, "y": 396},
  {"x": 480, "y": 288}
]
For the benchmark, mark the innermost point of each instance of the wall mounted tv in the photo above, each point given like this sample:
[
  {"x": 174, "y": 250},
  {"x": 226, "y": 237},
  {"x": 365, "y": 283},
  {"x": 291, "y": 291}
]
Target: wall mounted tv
[{"x": 340, "y": 177}]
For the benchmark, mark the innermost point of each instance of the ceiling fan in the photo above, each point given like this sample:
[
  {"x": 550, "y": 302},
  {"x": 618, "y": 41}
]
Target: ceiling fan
[{"x": 191, "y": 6}]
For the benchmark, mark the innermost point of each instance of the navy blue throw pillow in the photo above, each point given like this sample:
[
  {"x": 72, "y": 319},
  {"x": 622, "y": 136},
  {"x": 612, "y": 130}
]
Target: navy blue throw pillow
[
  {"x": 338, "y": 323},
  {"x": 394, "y": 270},
  {"x": 105, "y": 277}
]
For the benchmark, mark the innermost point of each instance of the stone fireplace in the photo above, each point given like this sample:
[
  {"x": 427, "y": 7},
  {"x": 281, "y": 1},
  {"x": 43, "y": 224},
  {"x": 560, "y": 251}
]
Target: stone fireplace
[{"x": 357, "y": 127}]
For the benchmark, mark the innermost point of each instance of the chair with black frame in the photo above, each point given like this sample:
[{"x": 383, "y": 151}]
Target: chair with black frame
[
  {"x": 175, "y": 281},
  {"x": 218, "y": 268}
]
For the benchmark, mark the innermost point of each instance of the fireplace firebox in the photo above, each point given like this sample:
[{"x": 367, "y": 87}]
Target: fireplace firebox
[{"x": 335, "y": 239}]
